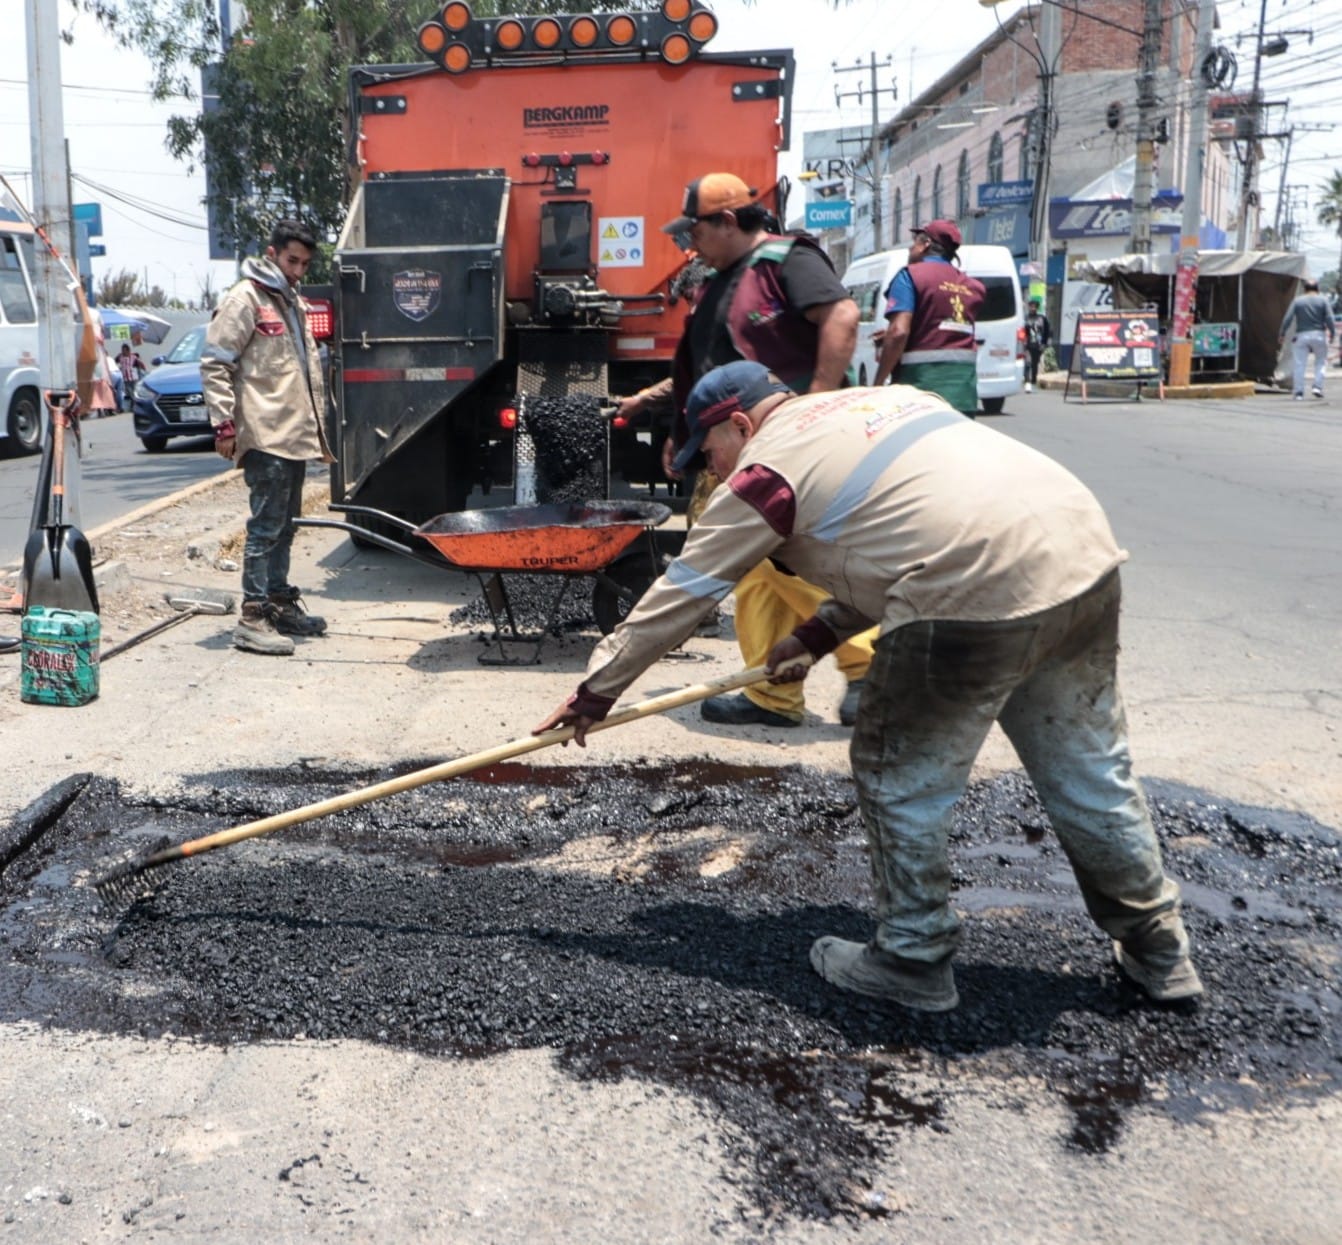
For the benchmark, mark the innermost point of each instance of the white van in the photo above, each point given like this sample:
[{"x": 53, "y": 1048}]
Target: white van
[
  {"x": 20, "y": 402},
  {"x": 1000, "y": 330}
]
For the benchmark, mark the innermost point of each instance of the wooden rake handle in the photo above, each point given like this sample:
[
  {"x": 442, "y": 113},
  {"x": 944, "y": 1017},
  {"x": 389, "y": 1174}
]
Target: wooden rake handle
[{"x": 466, "y": 764}]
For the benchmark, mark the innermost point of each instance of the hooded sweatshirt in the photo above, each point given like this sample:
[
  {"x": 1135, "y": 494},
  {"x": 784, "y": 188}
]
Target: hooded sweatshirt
[{"x": 260, "y": 369}]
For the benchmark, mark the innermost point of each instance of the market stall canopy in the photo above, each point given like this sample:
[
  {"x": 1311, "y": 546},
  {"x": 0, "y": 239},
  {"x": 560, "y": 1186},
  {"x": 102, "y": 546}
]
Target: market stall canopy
[
  {"x": 1252, "y": 288},
  {"x": 149, "y": 327}
]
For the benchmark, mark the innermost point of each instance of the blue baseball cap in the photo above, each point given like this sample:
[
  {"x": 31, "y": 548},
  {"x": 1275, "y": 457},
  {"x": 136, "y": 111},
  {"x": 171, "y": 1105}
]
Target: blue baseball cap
[{"x": 732, "y": 387}]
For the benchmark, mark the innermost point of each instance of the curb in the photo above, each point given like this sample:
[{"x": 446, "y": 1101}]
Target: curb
[
  {"x": 161, "y": 503},
  {"x": 143, "y": 512}
]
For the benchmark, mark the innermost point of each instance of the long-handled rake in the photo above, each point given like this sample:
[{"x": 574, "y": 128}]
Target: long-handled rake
[{"x": 127, "y": 882}]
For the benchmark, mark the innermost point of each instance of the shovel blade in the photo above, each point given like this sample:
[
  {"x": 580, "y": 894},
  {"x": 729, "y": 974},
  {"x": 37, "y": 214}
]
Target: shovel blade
[{"x": 58, "y": 570}]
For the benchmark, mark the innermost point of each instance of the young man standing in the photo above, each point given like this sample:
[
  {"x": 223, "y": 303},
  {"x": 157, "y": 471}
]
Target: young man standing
[{"x": 263, "y": 390}]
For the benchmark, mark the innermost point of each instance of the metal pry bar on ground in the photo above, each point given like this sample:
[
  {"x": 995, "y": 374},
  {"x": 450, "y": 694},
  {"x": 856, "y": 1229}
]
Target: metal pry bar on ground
[{"x": 188, "y": 602}]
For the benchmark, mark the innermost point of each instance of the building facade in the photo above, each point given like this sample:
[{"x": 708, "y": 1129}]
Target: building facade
[{"x": 967, "y": 148}]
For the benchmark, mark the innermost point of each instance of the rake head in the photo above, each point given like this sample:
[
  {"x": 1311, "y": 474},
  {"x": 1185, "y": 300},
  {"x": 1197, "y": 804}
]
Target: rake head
[{"x": 130, "y": 882}]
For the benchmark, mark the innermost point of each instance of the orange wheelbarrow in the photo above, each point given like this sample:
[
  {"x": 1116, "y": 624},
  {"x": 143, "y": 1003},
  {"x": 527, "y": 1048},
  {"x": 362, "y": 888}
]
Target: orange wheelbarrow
[{"x": 596, "y": 538}]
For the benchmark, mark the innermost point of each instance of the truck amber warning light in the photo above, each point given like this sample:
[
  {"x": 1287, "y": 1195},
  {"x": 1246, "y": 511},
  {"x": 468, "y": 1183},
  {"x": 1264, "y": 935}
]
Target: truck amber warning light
[{"x": 673, "y": 33}]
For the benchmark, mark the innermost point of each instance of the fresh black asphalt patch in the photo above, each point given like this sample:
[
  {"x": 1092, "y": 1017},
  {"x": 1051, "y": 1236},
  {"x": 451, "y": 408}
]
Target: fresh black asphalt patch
[{"x": 653, "y": 921}]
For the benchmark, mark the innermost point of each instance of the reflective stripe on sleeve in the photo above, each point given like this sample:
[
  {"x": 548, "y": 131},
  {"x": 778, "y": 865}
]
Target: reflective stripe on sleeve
[
  {"x": 959, "y": 354},
  {"x": 219, "y": 354},
  {"x": 683, "y": 576}
]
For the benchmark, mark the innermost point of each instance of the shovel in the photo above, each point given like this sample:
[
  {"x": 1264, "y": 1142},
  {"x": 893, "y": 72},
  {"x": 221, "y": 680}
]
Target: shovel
[
  {"x": 57, "y": 560},
  {"x": 126, "y": 883}
]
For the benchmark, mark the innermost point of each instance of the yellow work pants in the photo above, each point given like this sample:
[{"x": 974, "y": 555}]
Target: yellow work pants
[{"x": 770, "y": 606}]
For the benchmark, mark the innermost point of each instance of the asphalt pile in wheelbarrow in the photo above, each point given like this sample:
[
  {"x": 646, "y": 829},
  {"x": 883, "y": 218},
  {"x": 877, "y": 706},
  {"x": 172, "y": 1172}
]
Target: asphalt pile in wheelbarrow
[
  {"x": 653, "y": 921},
  {"x": 570, "y": 438}
]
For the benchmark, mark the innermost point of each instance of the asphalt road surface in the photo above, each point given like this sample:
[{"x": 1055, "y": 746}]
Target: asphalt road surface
[{"x": 117, "y": 476}]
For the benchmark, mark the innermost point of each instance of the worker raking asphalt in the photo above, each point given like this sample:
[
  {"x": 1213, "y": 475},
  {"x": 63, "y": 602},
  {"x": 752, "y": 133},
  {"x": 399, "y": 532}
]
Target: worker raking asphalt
[{"x": 569, "y": 909}]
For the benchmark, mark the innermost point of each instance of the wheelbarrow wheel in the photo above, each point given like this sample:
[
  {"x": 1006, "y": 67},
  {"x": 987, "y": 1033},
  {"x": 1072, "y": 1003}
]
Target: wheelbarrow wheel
[{"x": 618, "y": 589}]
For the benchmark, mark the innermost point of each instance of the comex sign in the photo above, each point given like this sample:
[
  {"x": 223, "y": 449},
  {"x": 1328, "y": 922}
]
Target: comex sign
[{"x": 829, "y": 214}]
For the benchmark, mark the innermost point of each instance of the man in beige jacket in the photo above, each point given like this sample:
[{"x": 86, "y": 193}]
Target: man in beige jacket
[
  {"x": 993, "y": 575},
  {"x": 263, "y": 390}
]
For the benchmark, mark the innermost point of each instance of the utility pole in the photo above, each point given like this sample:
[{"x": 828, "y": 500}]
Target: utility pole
[
  {"x": 1144, "y": 172},
  {"x": 1250, "y": 176},
  {"x": 51, "y": 199},
  {"x": 1050, "y": 51},
  {"x": 877, "y": 152},
  {"x": 1186, "y": 276}
]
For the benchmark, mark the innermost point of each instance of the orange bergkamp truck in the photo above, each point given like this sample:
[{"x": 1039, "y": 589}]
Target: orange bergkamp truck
[{"x": 503, "y": 253}]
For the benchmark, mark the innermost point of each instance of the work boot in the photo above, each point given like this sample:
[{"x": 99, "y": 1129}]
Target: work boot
[
  {"x": 864, "y": 968},
  {"x": 851, "y": 698},
  {"x": 256, "y": 633},
  {"x": 1165, "y": 983},
  {"x": 290, "y": 617},
  {"x": 740, "y": 710}
]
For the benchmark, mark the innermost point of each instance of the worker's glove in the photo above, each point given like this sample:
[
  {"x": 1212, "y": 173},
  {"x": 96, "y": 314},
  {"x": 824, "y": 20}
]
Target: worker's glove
[
  {"x": 789, "y": 661},
  {"x": 225, "y": 431}
]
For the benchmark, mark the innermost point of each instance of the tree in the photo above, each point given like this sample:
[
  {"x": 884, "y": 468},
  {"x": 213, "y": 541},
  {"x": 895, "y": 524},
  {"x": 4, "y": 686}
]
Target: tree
[
  {"x": 279, "y": 136},
  {"x": 118, "y": 289},
  {"x": 1330, "y": 212}
]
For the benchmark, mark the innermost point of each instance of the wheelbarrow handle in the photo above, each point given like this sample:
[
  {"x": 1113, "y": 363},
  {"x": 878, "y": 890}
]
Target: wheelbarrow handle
[{"x": 380, "y": 515}]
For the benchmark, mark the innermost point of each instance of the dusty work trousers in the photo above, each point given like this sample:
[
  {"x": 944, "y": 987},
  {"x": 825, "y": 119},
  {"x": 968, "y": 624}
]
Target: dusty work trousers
[
  {"x": 1050, "y": 680},
  {"x": 1317, "y": 342},
  {"x": 276, "y": 488},
  {"x": 770, "y": 605}
]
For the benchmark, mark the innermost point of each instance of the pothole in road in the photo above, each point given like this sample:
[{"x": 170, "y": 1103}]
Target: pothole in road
[{"x": 654, "y": 922}]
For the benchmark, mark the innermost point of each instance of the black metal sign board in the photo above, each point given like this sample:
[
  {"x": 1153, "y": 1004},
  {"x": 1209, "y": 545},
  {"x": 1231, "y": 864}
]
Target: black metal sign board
[{"x": 1117, "y": 345}]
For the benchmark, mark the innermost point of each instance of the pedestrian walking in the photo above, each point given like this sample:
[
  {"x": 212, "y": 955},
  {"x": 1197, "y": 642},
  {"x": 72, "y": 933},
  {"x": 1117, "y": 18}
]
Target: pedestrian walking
[
  {"x": 776, "y": 300},
  {"x": 131, "y": 368},
  {"x": 993, "y": 574},
  {"x": 263, "y": 390},
  {"x": 930, "y": 311},
  {"x": 1038, "y": 335},
  {"x": 1315, "y": 328}
]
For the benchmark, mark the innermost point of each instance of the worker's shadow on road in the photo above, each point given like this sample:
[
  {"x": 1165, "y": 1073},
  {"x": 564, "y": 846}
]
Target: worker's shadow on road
[{"x": 1002, "y": 1004}]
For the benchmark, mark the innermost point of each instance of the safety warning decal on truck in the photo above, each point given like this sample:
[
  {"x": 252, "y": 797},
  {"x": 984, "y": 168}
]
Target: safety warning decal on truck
[
  {"x": 619, "y": 242},
  {"x": 416, "y": 292}
]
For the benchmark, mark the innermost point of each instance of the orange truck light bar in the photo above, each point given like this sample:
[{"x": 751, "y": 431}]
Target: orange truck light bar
[{"x": 674, "y": 33}]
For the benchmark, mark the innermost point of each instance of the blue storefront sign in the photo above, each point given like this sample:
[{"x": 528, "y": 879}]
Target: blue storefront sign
[
  {"x": 1111, "y": 218},
  {"x": 1005, "y": 194},
  {"x": 829, "y": 214},
  {"x": 1008, "y": 227},
  {"x": 90, "y": 214}
]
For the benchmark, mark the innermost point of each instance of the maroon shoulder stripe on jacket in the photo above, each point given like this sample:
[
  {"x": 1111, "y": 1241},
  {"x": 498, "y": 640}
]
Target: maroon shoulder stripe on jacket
[{"x": 767, "y": 492}]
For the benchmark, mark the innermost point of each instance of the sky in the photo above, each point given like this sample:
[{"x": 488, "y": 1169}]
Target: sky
[{"x": 117, "y": 133}]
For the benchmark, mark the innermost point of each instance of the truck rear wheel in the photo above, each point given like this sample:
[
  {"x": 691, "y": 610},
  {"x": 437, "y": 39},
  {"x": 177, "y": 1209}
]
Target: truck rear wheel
[{"x": 993, "y": 406}]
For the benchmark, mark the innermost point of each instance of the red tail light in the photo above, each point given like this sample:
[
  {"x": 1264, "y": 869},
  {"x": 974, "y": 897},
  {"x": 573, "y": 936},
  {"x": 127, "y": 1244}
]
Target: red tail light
[
  {"x": 321, "y": 318},
  {"x": 508, "y": 418},
  {"x": 1020, "y": 336}
]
